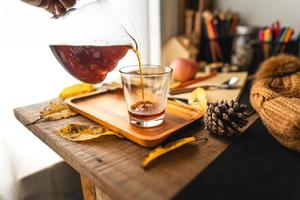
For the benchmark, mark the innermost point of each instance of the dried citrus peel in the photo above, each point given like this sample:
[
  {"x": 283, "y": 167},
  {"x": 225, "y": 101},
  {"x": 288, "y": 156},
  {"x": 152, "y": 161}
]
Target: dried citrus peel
[
  {"x": 161, "y": 150},
  {"x": 82, "y": 132}
]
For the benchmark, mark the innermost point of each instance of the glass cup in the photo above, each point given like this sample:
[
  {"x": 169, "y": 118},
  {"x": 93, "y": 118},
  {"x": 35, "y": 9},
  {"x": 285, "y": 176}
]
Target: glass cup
[{"x": 146, "y": 94}]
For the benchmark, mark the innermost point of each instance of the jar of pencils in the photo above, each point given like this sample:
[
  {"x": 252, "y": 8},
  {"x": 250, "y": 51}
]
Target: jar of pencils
[
  {"x": 271, "y": 41},
  {"x": 274, "y": 39},
  {"x": 216, "y": 50},
  {"x": 242, "y": 47},
  {"x": 264, "y": 50},
  {"x": 218, "y": 29}
]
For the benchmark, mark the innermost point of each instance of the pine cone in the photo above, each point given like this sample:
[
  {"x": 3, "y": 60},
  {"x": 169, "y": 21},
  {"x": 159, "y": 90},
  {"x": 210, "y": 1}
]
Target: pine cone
[{"x": 225, "y": 119}]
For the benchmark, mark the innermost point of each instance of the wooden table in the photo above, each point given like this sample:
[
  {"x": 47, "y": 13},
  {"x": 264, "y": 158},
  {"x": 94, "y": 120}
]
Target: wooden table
[{"x": 110, "y": 167}]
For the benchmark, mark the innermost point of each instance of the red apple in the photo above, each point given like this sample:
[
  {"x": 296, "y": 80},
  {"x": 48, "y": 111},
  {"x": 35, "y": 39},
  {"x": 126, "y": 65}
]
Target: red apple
[{"x": 183, "y": 69}]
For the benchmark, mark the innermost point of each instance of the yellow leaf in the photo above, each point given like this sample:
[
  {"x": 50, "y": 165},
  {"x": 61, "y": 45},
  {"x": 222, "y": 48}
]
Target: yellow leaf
[
  {"x": 55, "y": 110},
  {"x": 174, "y": 85},
  {"x": 198, "y": 99},
  {"x": 83, "y": 132},
  {"x": 161, "y": 150},
  {"x": 63, "y": 114},
  {"x": 76, "y": 90}
]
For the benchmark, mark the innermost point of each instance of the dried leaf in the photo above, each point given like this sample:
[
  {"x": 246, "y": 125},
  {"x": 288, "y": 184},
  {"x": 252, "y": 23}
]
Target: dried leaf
[
  {"x": 83, "y": 132},
  {"x": 77, "y": 89},
  {"x": 174, "y": 85},
  {"x": 55, "y": 110},
  {"x": 161, "y": 150},
  {"x": 198, "y": 99}
]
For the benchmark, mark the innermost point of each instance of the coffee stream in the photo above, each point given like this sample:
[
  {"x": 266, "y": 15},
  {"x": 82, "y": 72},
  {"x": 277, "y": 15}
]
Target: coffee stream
[
  {"x": 138, "y": 55},
  {"x": 145, "y": 110}
]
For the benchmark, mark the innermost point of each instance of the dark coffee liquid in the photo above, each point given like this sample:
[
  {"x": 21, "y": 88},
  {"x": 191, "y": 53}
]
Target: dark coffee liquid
[
  {"x": 145, "y": 110},
  {"x": 89, "y": 64}
]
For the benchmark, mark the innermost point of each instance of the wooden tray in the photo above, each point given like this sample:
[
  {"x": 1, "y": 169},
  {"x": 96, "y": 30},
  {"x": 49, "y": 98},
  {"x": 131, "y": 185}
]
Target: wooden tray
[{"x": 109, "y": 109}]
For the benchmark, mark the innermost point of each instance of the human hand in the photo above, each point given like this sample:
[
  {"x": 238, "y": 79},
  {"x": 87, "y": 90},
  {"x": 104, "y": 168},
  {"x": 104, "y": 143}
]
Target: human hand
[{"x": 56, "y": 7}]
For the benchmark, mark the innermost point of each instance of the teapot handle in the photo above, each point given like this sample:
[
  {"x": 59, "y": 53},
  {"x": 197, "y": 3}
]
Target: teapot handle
[{"x": 56, "y": 7}]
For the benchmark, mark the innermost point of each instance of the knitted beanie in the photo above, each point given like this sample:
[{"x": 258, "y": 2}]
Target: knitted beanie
[{"x": 275, "y": 95}]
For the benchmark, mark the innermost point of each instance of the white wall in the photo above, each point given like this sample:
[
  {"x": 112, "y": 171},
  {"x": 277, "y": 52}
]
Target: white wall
[
  {"x": 169, "y": 19},
  {"x": 264, "y": 12}
]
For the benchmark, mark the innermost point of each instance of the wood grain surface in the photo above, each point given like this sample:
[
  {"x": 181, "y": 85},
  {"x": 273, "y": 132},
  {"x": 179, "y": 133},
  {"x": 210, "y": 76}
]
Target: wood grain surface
[
  {"x": 88, "y": 189},
  {"x": 110, "y": 110},
  {"x": 114, "y": 164}
]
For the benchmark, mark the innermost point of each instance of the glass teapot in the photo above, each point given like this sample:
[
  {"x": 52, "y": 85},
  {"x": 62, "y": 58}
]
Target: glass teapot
[{"x": 89, "y": 41}]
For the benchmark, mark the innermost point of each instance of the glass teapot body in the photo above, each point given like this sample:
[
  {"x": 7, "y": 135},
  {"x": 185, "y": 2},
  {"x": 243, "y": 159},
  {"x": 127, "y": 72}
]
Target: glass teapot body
[{"x": 89, "y": 41}]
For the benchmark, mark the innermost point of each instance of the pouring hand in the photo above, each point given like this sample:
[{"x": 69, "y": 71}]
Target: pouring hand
[{"x": 56, "y": 7}]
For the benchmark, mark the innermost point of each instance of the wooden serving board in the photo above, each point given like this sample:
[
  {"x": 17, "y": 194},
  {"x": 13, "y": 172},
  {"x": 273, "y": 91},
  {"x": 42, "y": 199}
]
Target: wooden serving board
[
  {"x": 214, "y": 95},
  {"x": 109, "y": 109}
]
